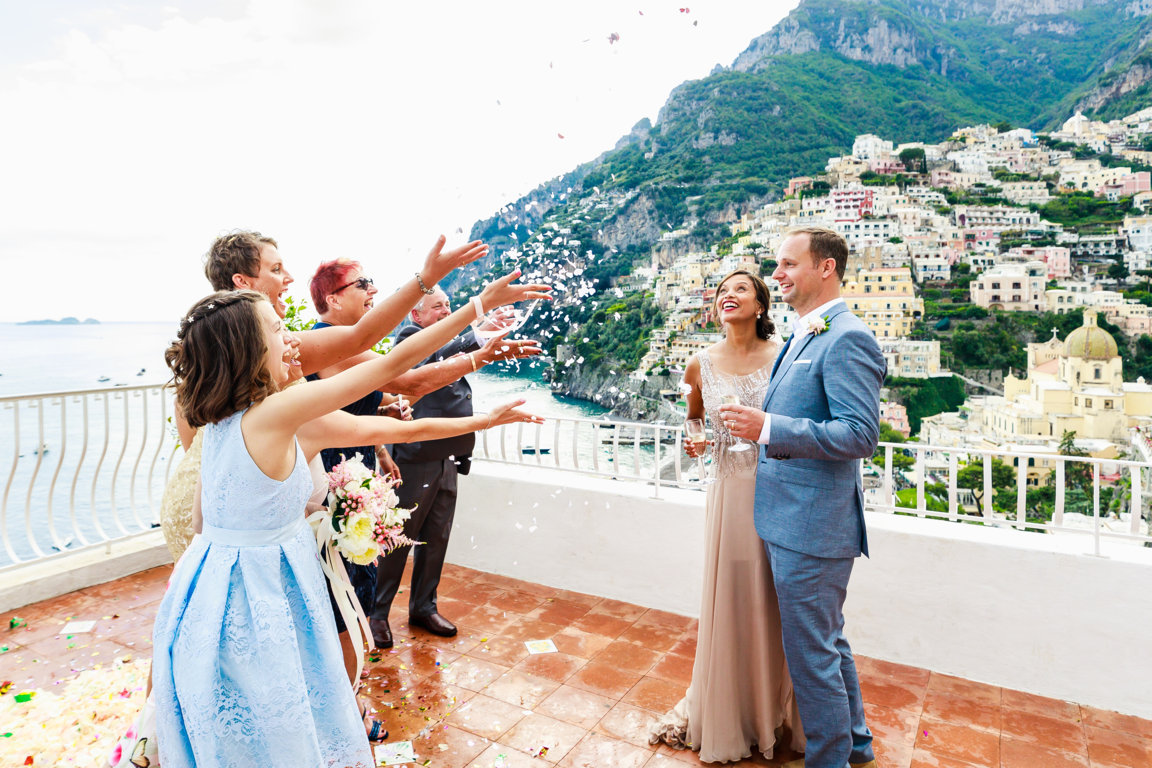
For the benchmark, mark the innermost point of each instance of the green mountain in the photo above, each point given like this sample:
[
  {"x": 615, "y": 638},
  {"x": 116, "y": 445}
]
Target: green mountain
[{"x": 907, "y": 70}]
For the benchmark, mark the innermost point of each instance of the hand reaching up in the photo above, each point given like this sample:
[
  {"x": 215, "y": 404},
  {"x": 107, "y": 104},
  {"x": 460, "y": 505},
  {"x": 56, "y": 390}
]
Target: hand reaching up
[
  {"x": 440, "y": 262},
  {"x": 509, "y": 413},
  {"x": 503, "y": 291}
]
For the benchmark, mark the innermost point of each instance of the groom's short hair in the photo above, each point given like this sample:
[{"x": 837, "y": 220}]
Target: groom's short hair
[{"x": 826, "y": 244}]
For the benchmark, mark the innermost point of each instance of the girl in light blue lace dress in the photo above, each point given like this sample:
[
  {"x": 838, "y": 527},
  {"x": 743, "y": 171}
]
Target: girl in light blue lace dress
[{"x": 247, "y": 669}]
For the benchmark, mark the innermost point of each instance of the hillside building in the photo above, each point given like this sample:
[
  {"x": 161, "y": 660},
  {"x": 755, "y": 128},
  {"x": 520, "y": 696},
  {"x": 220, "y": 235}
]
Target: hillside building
[
  {"x": 884, "y": 298},
  {"x": 1057, "y": 258},
  {"x": 870, "y": 147},
  {"x": 1026, "y": 192},
  {"x": 895, "y": 416},
  {"x": 1072, "y": 385},
  {"x": 910, "y": 359},
  {"x": 1013, "y": 287}
]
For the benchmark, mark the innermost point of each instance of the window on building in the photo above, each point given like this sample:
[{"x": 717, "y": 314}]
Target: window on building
[
  {"x": 1087, "y": 402},
  {"x": 1107, "y": 404},
  {"x": 1096, "y": 374}
]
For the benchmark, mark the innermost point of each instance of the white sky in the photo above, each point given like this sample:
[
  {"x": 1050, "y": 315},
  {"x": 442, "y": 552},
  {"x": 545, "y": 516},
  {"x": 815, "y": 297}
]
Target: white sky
[{"x": 134, "y": 132}]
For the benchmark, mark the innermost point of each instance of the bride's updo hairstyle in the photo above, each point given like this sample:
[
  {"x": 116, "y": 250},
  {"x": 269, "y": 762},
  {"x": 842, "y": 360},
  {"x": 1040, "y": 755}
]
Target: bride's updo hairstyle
[
  {"x": 764, "y": 325},
  {"x": 217, "y": 360}
]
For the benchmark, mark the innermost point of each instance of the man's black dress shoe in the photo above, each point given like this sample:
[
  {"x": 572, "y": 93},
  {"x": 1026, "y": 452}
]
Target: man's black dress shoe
[
  {"x": 381, "y": 632},
  {"x": 434, "y": 623}
]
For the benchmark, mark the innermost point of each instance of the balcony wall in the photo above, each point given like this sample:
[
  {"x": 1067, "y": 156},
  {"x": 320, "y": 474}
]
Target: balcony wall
[
  {"x": 1028, "y": 611},
  {"x": 1021, "y": 610}
]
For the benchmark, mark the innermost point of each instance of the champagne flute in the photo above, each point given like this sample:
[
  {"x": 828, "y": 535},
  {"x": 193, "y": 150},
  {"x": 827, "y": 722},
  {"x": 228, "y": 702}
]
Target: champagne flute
[
  {"x": 731, "y": 398},
  {"x": 503, "y": 320},
  {"x": 694, "y": 428}
]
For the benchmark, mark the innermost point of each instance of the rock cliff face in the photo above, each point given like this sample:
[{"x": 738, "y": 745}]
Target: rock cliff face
[
  {"x": 628, "y": 398},
  {"x": 1135, "y": 76},
  {"x": 879, "y": 42},
  {"x": 892, "y": 33},
  {"x": 635, "y": 224}
]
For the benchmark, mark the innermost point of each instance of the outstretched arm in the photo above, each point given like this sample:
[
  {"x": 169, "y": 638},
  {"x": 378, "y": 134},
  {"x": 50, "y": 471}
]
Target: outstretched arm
[
  {"x": 338, "y": 428},
  {"x": 324, "y": 347},
  {"x": 430, "y": 377},
  {"x": 269, "y": 426}
]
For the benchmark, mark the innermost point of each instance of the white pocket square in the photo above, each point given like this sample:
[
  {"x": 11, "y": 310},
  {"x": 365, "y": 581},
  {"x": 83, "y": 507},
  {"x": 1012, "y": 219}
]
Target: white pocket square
[{"x": 801, "y": 362}]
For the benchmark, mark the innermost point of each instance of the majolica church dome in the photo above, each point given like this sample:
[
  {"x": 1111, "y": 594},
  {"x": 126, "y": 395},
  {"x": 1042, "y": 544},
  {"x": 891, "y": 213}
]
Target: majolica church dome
[{"x": 1090, "y": 341}]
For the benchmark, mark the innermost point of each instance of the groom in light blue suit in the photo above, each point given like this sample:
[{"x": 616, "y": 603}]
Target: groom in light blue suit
[{"x": 820, "y": 417}]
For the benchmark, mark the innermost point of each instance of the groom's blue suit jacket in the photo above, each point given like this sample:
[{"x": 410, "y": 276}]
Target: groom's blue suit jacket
[{"x": 824, "y": 398}]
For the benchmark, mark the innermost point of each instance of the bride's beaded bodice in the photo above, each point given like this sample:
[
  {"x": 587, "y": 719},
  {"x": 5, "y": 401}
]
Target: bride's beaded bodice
[{"x": 751, "y": 389}]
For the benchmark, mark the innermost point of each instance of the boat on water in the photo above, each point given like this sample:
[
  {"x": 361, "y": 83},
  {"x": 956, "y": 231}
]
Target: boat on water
[
  {"x": 104, "y": 378},
  {"x": 531, "y": 449}
]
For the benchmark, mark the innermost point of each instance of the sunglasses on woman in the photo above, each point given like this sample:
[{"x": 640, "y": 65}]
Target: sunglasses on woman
[{"x": 361, "y": 282}]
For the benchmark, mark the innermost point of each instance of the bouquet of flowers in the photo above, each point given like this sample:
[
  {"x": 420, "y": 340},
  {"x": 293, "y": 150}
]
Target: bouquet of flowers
[{"x": 362, "y": 505}]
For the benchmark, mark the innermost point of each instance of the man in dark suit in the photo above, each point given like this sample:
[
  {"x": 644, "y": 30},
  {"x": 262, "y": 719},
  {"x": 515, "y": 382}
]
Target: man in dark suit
[{"x": 429, "y": 470}]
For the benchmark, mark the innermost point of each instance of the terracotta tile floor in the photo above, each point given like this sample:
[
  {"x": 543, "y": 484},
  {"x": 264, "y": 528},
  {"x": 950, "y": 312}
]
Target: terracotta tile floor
[{"x": 480, "y": 699}]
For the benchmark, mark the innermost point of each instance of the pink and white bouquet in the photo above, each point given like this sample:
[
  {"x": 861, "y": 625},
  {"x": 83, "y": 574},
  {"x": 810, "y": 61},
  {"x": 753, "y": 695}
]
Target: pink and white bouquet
[{"x": 363, "y": 508}]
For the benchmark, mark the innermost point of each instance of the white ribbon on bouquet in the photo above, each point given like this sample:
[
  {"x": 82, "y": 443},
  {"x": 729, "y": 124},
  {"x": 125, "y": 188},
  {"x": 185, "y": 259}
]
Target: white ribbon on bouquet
[{"x": 342, "y": 590}]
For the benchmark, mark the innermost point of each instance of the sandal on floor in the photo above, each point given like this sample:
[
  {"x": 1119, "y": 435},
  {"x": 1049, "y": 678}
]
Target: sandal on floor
[
  {"x": 376, "y": 731},
  {"x": 377, "y": 734}
]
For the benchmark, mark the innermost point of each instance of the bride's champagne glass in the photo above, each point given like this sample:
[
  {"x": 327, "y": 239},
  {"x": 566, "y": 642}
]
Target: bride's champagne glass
[
  {"x": 503, "y": 320},
  {"x": 694, "y": 428},
  {"x": 731, "y": 398}
]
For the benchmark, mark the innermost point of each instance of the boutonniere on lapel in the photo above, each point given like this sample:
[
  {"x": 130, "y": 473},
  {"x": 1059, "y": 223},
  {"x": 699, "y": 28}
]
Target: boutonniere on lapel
[{"x": 817, "y": 326}]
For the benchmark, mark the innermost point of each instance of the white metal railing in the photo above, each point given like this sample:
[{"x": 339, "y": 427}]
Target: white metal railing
[
  {"x": 85, "y": 468},
  {"x": 620, "y": 450},
  {"x": 88, "y": 467},
  {"x": 653, "y": 453},
  {"x": 1077, "y": 487}
]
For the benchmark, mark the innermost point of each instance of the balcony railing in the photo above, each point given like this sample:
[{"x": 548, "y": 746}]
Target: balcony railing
[
  {"x": 1076, "y": 487},
  {"x": 621, "y": 450},
  {"x": 88, "y": 468}
]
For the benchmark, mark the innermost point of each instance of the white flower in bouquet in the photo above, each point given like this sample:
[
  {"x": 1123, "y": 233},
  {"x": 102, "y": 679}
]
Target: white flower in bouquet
[{"x": 357, "y": 538}]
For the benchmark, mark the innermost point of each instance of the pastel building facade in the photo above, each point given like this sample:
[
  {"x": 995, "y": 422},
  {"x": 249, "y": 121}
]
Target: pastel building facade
[{"x": 1012, "y": 287}]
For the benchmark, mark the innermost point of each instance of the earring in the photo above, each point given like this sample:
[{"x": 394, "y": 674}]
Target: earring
[{"x": 758, "y": 315}]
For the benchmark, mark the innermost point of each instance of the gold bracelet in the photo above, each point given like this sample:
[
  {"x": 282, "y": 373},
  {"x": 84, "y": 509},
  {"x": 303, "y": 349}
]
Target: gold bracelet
[{"x": 472, "y": 360}]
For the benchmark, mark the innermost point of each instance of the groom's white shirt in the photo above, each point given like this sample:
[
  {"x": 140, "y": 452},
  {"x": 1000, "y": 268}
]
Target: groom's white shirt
[{"x": 803, "y": 326}]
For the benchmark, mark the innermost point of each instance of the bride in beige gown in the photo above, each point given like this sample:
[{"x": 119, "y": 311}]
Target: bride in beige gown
[{"x": 741, "y": 694}]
